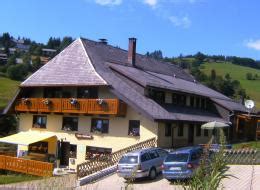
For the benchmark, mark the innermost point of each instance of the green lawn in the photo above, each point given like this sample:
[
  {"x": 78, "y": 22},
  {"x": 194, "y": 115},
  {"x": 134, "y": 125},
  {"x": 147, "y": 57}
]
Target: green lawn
[
  {"x": 238, "y": 73},
  {"x": 8, "y": 88},
  {"x": 15, "y": 178},
  {"x": 251, "y": 144}
]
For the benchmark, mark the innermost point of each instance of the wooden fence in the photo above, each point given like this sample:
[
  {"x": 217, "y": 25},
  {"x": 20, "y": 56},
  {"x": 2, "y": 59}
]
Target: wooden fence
[
  {"x": 98, "y": 164},
  {"x": 26, "y": 166},
  {"x": 244, "y": 156}
]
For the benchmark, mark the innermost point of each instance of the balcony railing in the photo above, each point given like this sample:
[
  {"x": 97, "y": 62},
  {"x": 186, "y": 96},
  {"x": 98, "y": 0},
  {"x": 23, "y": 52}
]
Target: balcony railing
[{"x": 71, "y": 105}]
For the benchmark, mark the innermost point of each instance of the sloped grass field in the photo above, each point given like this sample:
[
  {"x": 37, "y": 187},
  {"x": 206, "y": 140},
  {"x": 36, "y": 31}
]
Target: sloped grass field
[
  {"x": 238, "y": 72},
  {"x": 8, "y": 88}
]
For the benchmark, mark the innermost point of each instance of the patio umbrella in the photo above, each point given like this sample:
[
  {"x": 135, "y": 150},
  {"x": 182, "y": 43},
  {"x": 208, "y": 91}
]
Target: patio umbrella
[{"x": 214, "y": 125}]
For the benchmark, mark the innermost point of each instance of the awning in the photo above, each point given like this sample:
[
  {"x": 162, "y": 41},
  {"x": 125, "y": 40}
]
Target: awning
[{"x": 26, "y": 138}]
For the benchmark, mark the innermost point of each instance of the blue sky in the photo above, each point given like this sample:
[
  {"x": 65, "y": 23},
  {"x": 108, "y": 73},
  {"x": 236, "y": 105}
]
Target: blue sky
[{"x": 228, "y": 27}]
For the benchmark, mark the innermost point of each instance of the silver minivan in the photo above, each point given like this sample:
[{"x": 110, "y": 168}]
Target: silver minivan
[{"x": 141, "y": 163}]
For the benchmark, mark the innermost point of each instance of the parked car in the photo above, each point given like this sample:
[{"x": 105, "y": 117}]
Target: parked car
[
  {"x": 141, "y": 163},
  {"x": 182, "y": 163}
]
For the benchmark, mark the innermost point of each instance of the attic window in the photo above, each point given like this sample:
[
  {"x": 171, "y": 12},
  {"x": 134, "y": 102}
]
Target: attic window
[{"x": 157, "y": 95}]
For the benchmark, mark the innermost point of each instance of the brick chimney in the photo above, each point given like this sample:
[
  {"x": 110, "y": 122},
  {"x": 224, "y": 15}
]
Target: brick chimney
[{"x": 132, "y": 51}]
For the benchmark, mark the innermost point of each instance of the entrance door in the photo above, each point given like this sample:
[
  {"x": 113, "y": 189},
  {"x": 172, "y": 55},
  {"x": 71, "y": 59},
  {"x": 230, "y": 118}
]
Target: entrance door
[
  {"x": 65, "y": 153},
  {"x": 191, "y": 134}
]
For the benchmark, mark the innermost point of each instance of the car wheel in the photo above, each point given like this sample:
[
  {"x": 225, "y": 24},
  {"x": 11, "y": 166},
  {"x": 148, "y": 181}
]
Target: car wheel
[{"x": 152, "y": 173}]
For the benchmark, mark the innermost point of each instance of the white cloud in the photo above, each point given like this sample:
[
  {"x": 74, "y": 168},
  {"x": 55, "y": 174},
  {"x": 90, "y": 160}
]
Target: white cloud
[
  {"x": 151, "y": 3},
  {"x": 253, "y": 44},
  {"x": 184, "y": 22},
  {"x": 108, "y": 2}
]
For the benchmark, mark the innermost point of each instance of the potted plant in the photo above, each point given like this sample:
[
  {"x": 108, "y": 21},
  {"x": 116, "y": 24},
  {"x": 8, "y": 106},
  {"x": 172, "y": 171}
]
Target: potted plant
[{"x": 47, "y": 102}]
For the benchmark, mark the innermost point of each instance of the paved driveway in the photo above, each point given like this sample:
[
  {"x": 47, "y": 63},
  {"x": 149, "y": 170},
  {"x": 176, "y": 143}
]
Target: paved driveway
[{"x": 246, "y": 178}]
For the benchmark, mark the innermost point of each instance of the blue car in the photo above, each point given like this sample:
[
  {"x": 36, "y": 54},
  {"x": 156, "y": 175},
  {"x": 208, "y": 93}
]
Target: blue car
[{"x": 182, "y": 163}]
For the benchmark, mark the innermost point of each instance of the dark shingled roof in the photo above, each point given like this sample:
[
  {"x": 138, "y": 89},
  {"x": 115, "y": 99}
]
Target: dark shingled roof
[
  {"x": 87, "y": 62},
  {"x": 148, "y": 72}
]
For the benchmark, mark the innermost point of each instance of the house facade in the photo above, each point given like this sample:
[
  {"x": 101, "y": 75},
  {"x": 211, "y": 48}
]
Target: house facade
[{"x": 94, "y": 99}]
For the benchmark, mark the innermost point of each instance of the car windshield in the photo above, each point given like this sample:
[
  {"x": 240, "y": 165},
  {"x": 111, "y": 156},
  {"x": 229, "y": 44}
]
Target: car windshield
[
  {"x": 177, "y": 157},
  {"x": 128, "y": 160}
]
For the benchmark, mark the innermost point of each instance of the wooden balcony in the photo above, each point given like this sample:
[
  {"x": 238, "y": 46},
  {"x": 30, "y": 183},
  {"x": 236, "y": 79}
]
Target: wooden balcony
[{"x": 70, "y": 105}]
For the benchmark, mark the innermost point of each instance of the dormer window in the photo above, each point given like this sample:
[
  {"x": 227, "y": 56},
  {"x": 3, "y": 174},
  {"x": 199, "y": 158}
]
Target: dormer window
[
  {"x": 179, "y": 99},
  {"x": 157, "y": 95}
]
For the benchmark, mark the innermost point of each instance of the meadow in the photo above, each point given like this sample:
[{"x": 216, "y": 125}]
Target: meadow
[
  {"x": 238, "y": 72},
  {"x": 8, "y": 89}
]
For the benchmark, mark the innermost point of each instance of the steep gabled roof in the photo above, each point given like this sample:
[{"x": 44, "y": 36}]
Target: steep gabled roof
[{"x": 69, "y": 68}]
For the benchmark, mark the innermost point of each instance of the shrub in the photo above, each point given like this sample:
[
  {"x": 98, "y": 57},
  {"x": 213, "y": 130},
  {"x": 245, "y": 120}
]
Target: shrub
[{"x": 17, "y": 72}]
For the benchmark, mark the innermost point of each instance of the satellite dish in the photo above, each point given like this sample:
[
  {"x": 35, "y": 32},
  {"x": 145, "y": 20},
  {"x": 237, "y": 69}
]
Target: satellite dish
[{"x": 249, "y": 104}]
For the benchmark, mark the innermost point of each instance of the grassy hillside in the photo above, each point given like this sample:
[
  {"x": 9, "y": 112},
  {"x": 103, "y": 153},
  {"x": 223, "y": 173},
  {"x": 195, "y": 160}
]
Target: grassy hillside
[
  {"x": 238, "y": 73},
  {"x": 8, "y": 88}
]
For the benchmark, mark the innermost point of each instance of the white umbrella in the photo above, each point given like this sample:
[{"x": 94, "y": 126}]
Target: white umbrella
[{"x": 214, "y": 125}]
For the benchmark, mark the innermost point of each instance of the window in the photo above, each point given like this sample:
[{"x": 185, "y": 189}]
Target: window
[
  {"x": 73, "y": 151},
  {"x": 182, "y": 100},
  {"x": 52, "y": 92},
  {"x": 134, "y": 128},
  {"x": 206, "y": 133},
  {"x": 194, "y": 156},
  {"x": 145, "y": 157},
  {"x": 175, "y": 99},
  {"x": 203, "y": 103},
  {"x": 97, "y": 152},
  {"x": 99, "y": 125},
  {"x": 128, "y": 160},
  {"x": 39, "y": 121},
  {"x": 258, "y": 125},
  {"x": 162, "y": 153},
  {"x": 39, "y": 147},
  {"x": 180, "y": 157},
  {"x": 87, "y": 92},
  {"x": 153, "y": 154},
  {"x": 198, "y": 131},
  {"x": 70, "y": 124},
  {"x": 191, "y": 101},
  {"x": 178, "y": 99},
  {"x": 180, "y": 130},
  {"x": 157, "y": 95},
  {"x": 168, "y": 129},
  {"x": 197, "y": 102}
]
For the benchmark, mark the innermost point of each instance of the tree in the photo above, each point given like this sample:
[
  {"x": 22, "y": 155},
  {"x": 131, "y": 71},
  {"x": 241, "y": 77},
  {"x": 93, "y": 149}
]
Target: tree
[
  {"x": 11, "y": 60},
  {"x": 157, "y": 54},
  {"x": 5, "y": 40},
  {"x": 66, "y": 41},
  {"x": 53, "y": 43},
  {"x": 249, "y": 76},
  {"x": 227, "y": 76},
  {"x": 17, "y": 72},
  {"x": 200, "y": 57},
  {"x": 213, "y": 74},
  {"x": 36, "y": 63}
]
